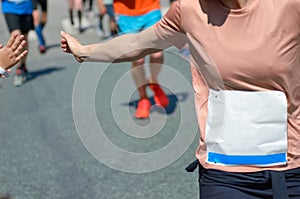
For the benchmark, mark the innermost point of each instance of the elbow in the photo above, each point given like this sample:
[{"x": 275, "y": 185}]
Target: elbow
[
  {"x": 135, "y": 55},
  {"x": 129, "y": 56}
]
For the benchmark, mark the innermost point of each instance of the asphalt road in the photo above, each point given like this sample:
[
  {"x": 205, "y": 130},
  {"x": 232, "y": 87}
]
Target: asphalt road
[{"x": 68, "y": 132}]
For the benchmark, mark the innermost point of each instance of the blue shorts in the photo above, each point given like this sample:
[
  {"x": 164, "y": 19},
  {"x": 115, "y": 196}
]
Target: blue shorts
[{"x": 134, "y": 24}]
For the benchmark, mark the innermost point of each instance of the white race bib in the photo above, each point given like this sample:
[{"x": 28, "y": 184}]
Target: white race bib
[{"x": 246, "y": 128}]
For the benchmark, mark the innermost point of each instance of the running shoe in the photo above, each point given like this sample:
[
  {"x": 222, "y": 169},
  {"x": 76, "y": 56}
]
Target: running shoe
[
  {"x": 143, "y": 109},
  {"x": 20, "y": 77},
  {"x": 42, "y": 49},
  {"x": 100, "y": 33},
  {"x": 160, "y": 97},
  {"x": 81, "y": 30}
]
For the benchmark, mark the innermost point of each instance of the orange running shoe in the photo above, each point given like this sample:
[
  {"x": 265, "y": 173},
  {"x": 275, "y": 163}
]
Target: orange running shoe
[
  {"x": 160, "y": 97},
  {"x": 143, "y": 109}
]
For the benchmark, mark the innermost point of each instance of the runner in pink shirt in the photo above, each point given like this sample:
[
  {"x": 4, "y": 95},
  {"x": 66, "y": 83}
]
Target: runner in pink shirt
[{"x": 245, "y": 68}]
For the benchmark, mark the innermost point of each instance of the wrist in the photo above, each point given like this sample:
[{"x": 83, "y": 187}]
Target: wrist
[
  {"x": 3, "y": 72},
  {"x": 85, "y": 51},
  {"x": 81, "y": 51}
]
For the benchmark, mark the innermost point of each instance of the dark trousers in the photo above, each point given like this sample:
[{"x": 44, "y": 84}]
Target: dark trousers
[{"x": 215, "y": 184}]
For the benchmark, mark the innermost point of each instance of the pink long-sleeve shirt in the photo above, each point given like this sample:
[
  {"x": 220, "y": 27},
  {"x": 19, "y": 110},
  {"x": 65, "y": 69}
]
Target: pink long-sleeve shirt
[{"x": 256, "y": 48}]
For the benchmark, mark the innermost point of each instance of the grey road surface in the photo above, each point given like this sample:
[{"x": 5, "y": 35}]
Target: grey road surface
[{"x": 68, "y": 132}]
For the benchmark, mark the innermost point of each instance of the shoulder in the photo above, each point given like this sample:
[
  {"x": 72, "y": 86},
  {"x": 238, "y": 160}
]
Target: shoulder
[
  {"x": 287, "y": 4},
  {"x": 290, "y": 7},
  {"x": 284, "y": 8},
  {"x": 292, "y": 2}
]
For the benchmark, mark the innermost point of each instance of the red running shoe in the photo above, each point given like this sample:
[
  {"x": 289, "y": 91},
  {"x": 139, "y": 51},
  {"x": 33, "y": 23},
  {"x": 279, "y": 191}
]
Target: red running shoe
[
  {"x": 42, "y": 49},
  {"x": 160, "y": 97},
  {"x": 143, "y": 109}
]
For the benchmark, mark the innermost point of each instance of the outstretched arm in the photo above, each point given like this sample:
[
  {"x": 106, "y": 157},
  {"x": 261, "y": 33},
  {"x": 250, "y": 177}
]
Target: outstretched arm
[{"x": 127, "y": 47}]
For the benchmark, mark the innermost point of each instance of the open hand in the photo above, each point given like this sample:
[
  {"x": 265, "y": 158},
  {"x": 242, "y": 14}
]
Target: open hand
[{"x": 13, "y": 51}]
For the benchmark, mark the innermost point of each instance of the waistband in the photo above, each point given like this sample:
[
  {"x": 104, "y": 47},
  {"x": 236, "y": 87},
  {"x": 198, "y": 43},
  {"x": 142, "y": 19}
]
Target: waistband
[{"x": 277, "y": 178}]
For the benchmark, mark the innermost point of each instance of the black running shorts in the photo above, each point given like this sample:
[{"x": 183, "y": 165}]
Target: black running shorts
[
  {"x": 19, "y": 22},
  {"x": 42, "y": 3}
]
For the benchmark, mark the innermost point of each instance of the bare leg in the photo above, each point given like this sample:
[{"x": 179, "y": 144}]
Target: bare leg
[
  {"x": 113, "y": 27},
  {"x": 144, "y": 104},
  {"x": 138, "y": 74},
  {"x": 156, "y": 61},
  {"x": 160, "y": 97},
  {"x": 71, "y": 7},
  {"x": 39, "y": 24},
  {"x": 20, "y": 76},
  {"x": 78, "y": 5}
]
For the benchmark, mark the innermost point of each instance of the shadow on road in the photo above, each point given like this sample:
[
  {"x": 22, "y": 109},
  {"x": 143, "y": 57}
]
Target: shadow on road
[
  {"x": 46, "y": 71},
  {"x": 173, "y": 100},
  {"x": 49, "y": 46}
]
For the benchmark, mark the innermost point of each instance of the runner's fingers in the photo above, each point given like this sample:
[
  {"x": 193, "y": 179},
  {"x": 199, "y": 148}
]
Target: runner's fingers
[
  {"x": 18, "y": 42},
  {"x": 19, "y": 57},
  {"x": 65, "y": 47},
  {"x": 12, "y": 39},
  {"x": 64, "y": 43},
  {"x": 20, "y": 48},
  {"x": 63, "y": 40}
]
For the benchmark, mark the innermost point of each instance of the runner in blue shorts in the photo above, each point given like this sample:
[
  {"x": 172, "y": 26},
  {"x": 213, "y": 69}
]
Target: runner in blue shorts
[
  {"x": 134, "y": 24},
  {"x": 135, "y": 16},
  {"x": 18, "y": 16}
]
